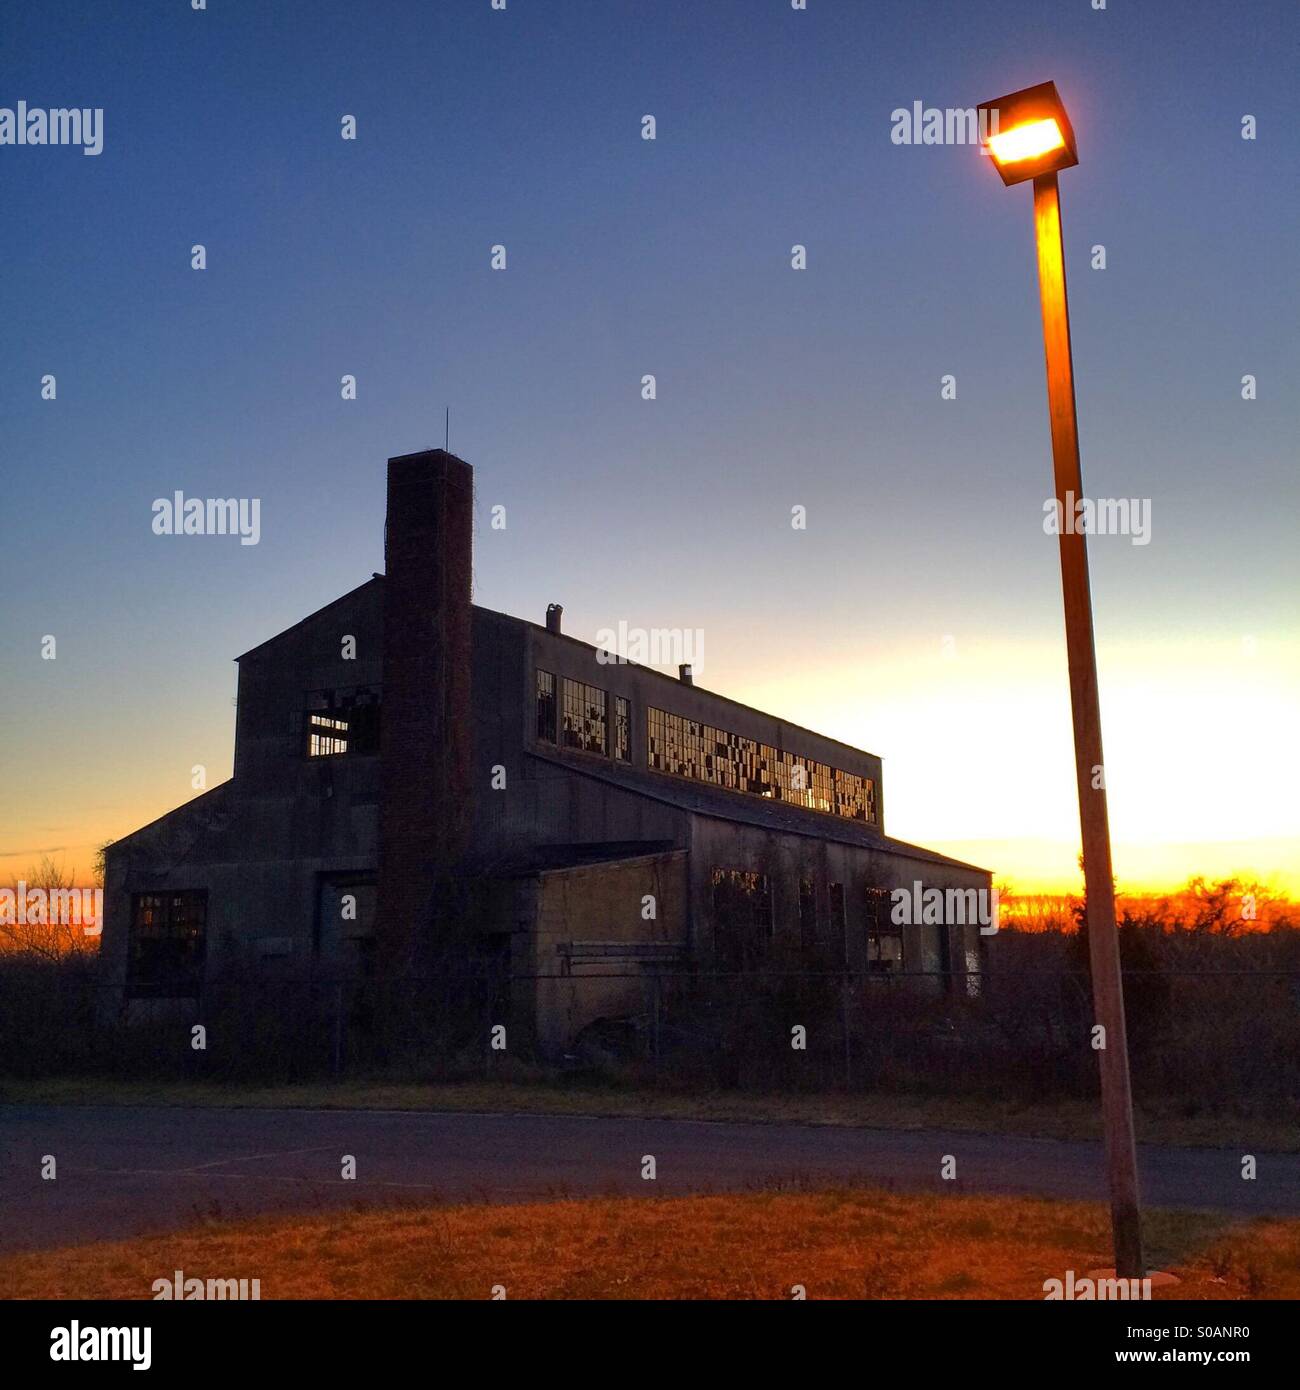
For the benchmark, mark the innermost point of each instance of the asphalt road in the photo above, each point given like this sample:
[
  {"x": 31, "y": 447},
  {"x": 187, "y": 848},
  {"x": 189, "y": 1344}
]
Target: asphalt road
[{"x": 127, "y": 1170}]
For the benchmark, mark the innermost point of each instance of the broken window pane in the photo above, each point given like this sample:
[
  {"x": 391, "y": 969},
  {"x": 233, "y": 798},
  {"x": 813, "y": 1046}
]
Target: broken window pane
[
  {"x": 585, "y": 725},
  {"x": 703, "y": 753},
  {"x": 622, "y": 729},
  {"x": 545, "y": 706},
  {"x": 884, "y": 937}
]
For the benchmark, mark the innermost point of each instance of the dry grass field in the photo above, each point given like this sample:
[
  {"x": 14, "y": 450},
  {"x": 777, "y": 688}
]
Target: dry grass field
[{"x": 843, "y": 1244}]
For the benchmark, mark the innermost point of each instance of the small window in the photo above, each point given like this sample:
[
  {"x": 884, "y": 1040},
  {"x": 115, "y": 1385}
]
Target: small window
[
  {"x": 326, "y": 736},
  {"x": 343, "y": 721},
  {"x": 884, "y": 937},
  {"x": 545, "y": 706},
  {"x": 622, "y": 729},
  {"x": 742, "y": 917},
  {"x": 167, "y": 943},
  {"x": 885, "y": 951},
  {"x": 764, "y": 920}
]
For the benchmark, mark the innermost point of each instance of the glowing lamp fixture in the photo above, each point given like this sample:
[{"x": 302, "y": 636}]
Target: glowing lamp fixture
[
  {"x": 1032, "y": 136},
  {"x": 1026, "y": 141}
]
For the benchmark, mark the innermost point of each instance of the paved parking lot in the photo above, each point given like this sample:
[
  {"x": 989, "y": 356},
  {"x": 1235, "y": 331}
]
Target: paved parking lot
[{"x": 124, "y": 1170}]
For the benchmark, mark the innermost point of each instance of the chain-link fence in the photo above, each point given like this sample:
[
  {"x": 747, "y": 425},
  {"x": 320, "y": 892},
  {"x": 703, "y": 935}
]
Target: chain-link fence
[{"x": 1209, "y": 1038}]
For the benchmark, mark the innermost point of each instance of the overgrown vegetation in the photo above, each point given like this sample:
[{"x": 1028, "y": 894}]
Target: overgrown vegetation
[{"x": 1213, "y": 1006}]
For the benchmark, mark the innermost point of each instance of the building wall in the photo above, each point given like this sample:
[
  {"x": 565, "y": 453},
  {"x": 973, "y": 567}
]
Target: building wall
[
  {"x": 263, "y": 889},
  {"x": 260, "y": 842},
  {"x": 274, "y": 680},
  {"x": 601, "y": 903},
  {"x": 786, "y": 859}
]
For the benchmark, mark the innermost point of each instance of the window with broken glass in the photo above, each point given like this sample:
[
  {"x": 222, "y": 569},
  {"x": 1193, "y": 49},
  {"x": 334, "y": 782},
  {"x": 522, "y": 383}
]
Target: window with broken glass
[
  {"x": 342, "y": 721},
  {"x": 884, "y": 937},
  {"x": 585, "y": 725},
  {"x": 689, "y": 748},
  {"x": 622, "y": 729},
  {"x": 545, "y": 706}
]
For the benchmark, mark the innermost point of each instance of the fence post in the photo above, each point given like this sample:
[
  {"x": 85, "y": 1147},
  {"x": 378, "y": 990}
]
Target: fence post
[
  {"x": 338, "y": 1027},
  {"x": 848, "y": 1050},
  {"x": 655, "y": 1042}
]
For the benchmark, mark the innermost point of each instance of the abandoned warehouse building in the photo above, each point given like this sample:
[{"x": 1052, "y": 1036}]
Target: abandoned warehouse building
[{"x": 409, "y": 765}]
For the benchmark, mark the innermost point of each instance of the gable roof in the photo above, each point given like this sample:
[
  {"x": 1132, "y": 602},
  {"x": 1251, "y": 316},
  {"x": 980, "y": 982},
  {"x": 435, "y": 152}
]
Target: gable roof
[{"x": 302, "y": 622}]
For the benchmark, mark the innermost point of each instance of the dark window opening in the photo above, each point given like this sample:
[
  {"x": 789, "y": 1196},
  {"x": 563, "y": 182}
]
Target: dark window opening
[
  {"x": 884, "y": 937},
  {"x": 545, "y": 706},
  {"x": 742, "y": 917},
  {"x": 166, "y": 949},
  {"x": 343, "y": 721},
  {"x": 585, "y": 724}
]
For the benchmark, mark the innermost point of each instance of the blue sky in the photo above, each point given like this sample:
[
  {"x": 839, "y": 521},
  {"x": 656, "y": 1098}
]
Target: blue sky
[{"x": 776, "y": 388}]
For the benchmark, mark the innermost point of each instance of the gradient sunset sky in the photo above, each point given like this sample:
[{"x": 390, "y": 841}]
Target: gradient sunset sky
[{"x": 918, "y": 616}]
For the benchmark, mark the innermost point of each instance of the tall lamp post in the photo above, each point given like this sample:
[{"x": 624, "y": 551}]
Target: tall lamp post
[{"x": 1034, "y": 140}]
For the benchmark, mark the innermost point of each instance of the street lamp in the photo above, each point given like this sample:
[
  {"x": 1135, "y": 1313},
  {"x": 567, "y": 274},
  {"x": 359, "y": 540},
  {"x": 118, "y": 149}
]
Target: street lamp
[{"x": 1034, "y": 140}]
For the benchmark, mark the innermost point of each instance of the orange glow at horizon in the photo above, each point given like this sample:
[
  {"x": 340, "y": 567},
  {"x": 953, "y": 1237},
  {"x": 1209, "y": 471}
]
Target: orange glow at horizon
[
  {"x": 978, "y": 760},
  {"x": 1026, "y": 141}
]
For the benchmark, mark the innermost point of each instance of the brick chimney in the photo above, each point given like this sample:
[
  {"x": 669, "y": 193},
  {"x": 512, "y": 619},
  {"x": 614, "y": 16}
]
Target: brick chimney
[{"x": 426, "y": 733}]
